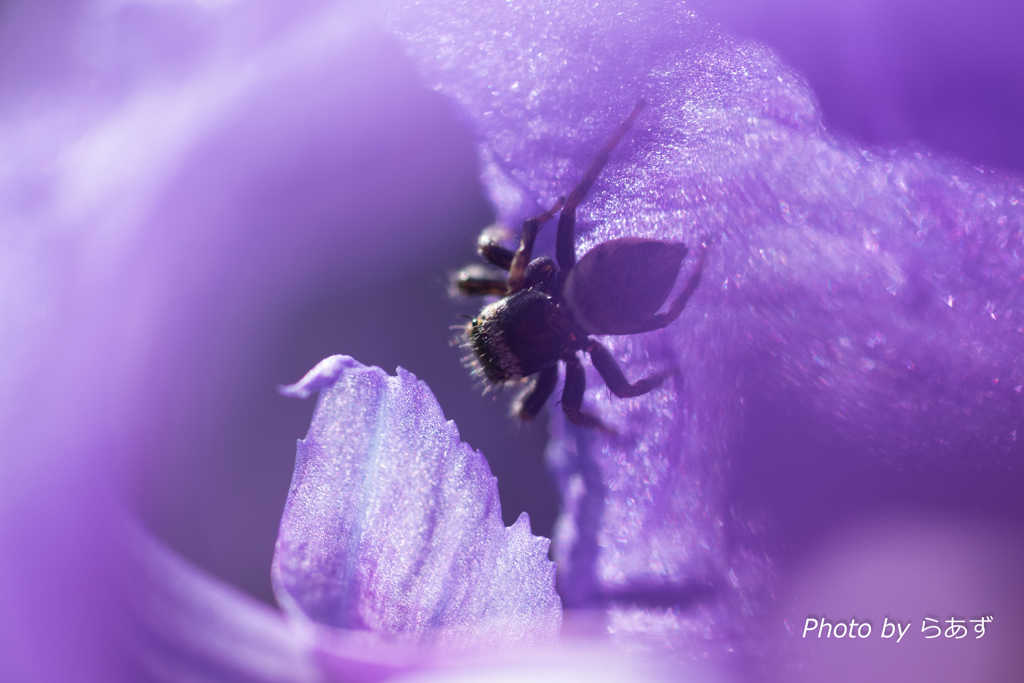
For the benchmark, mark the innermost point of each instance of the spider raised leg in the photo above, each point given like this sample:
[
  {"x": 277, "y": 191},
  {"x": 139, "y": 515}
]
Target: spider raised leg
[
  {"x": 565, "y": 245},
  {"x": 547, "y": 312}
]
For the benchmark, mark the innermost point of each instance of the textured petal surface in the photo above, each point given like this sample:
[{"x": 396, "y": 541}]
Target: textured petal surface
[
  {"x": 393, "y": 525},
  {"x": 879, "y": 293}
]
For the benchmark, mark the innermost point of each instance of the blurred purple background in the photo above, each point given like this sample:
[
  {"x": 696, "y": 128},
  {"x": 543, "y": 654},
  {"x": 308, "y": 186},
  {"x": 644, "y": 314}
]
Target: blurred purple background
[
  {"x": 949, "y": 73},
  {"x": 319, "y": 210}
]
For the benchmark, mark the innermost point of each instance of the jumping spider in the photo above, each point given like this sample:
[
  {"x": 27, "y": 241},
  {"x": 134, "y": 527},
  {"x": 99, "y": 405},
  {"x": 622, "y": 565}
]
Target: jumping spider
[{"x": 547, "y": 312}]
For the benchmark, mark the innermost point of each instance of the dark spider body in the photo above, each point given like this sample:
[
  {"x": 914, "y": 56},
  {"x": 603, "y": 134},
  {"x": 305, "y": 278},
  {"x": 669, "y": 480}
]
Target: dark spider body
[{"x": 548, "y": 312}]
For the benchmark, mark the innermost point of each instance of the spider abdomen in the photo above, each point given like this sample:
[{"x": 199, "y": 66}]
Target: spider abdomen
[{"x": 619, "y": 285}]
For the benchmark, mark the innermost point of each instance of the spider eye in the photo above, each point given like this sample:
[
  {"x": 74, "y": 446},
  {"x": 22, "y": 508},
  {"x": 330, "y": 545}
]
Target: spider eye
[{"x": 474, "y": 322}]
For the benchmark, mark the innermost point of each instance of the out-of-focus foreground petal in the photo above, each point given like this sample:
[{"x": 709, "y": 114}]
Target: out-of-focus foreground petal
[
  {"x": 171, "y": 193},
  {"x": 192, "y": 627},
  {"x": 875, "y": 293},
  {"x": 393, "y": 525}
]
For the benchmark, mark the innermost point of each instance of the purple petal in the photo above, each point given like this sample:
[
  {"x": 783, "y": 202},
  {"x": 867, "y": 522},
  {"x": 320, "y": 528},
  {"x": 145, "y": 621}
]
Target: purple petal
[
  {"x": 324, "y": 375},
  {"x": 393, "y": 525},
  {"x": 875, "y": 293},
  {"x": 168, "y": 169}
]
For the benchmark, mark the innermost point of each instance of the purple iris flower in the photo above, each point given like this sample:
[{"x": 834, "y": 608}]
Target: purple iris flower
[{"x": 204, "y": 199}]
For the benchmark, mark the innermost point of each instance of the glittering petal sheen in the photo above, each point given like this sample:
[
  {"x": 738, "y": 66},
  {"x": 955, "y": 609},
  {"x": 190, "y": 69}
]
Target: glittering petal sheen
[{"x": 393, "y": 525}]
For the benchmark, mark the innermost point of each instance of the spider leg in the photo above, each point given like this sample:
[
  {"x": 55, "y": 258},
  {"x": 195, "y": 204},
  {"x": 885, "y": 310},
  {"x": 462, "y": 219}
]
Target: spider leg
[
  {"x": 521, "y": 259},
  {"x": 613, "y": 377},
  {"x": 490, "y": 247},
  {"x": 479, "y": 281},
  {"x": 661, "y": 320},
  {"x": 536, "y": 393},
  {"x": 572, "y": 394},
  {"x": 565, "y": 244}
]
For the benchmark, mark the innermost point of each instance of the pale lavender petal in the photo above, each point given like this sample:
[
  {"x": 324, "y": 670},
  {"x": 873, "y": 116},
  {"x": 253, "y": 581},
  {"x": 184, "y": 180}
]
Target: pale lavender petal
[
  {"x": 393, "y": 526},
  {"x": 877, "y": 293},
  {"x": 167, "y": 169}
]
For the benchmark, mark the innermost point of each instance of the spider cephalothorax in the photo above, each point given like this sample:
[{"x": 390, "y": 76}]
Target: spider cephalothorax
[{"x": 548, "y": 312}]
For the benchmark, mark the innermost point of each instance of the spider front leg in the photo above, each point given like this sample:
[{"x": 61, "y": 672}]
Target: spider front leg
[
  {"x": 489, "y": 246},
  {"x": 479, "y": 281},
  {"x": 565, "y": 242},
  {"x": 535, "y": 395},
  {"x": 612, "y": 375},
  {"x": 521, "y": 259}
]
